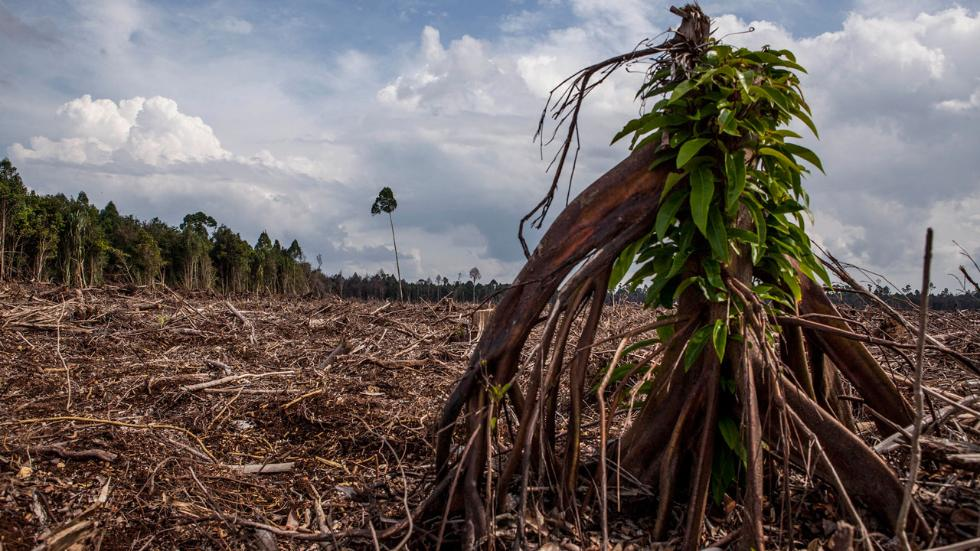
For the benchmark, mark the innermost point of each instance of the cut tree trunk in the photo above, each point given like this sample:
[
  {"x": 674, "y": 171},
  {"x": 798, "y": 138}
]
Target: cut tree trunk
[{"x": 676, "y": 427}]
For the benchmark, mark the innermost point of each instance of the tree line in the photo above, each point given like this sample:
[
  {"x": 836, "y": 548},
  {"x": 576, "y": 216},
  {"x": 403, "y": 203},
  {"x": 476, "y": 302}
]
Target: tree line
[{"x": 68, "y": 240}]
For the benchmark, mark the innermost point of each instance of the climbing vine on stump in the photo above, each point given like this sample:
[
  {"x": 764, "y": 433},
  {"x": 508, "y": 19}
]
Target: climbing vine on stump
[{"x": 737, "y": 388}]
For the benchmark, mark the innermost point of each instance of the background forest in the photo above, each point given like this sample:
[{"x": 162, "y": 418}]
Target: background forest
[{"x": 68, "y": 240}]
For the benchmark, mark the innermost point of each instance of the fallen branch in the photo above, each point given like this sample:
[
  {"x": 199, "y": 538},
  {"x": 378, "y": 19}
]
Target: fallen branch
[
  {"x": 263, "y": 468},
  {"x": 230, "y": 378},
  {"x": 892, "y": 442},
  {"x": 961, "y": 546},
  {"x": 244, "y": 321},
  {"x": 96, "y": 421},
  {"x": 808, "y": 324},
  {"x": 91, "y": 453}
]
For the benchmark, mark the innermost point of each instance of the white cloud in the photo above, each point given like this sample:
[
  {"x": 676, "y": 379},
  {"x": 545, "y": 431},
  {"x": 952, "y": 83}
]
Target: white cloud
[
  {"x": 464, "y": 77},
  {"x": 151, "y": 131},
  {"x": 883, "y": 89},
  {"x": 958, "y": 105},
  {"x": 306, "y": 141}
]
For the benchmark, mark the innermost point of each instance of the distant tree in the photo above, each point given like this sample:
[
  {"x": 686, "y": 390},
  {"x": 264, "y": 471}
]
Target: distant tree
[
  {"x": 12, "y": 192},
  {"x": 474, "y": 275},
  {"x": 231, "y": 256},
  {"x": 147, "y": 259},
  {"x": 385, "y": 202},
  {"x": 196, "y": 259}
]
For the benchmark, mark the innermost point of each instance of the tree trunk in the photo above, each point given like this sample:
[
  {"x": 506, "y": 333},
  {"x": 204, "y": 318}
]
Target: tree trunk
[
  {"x": 3, "y": 238},
  {"x": 398, "y": 269}
]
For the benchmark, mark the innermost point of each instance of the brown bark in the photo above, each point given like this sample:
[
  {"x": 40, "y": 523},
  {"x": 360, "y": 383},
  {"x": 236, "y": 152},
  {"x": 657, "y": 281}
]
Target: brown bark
[
  {"x": 853, "y": 358},
  {"x": 617, "y": 208},
  {"x": 863, "y": 473}
]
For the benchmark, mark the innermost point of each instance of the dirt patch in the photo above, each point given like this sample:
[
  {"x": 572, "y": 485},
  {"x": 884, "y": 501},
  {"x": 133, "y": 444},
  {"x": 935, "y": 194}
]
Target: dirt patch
[{"x": 144, "y": 419}]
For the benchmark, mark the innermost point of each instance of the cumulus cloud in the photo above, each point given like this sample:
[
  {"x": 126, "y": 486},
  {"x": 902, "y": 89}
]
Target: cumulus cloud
[
  {"x": 154, "y": 132},
  {"x": 959, "y": 105},
  {"x": 460, "y": 78},
  {"x": 151, "y": 131},
  {"x": 446, "y": 118},
  {"x": 890, "y": 93}
]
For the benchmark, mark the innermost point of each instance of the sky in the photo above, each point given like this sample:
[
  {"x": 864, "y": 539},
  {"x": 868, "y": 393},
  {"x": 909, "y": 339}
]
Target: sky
[{"x": 290, "y": 116}]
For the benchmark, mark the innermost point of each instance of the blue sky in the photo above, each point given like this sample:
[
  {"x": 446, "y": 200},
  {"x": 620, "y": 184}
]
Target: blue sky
[{"x": 289, "y": 116}]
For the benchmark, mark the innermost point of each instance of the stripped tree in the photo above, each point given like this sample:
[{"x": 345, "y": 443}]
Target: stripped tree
[
  {"x": 737, "y": 388},
  {"x": 386, "y": 202}
]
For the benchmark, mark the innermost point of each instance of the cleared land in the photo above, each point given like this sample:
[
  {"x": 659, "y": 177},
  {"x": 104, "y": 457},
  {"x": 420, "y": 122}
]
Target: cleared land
[{"x": 143, "y": 419}]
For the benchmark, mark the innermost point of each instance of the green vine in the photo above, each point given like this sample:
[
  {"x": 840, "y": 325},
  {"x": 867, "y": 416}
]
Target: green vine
[
  {"x": 721, "y": 126},
  {"x": 734, "y": 188}
]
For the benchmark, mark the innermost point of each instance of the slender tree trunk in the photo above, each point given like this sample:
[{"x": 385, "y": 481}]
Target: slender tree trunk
[
  {"x": 3, "y": 237},
  {"x": 398, "y": 269}
]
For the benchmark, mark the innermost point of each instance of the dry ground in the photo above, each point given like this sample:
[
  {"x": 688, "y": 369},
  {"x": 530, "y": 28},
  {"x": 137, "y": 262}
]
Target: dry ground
[{"x": 131, "y": 419}]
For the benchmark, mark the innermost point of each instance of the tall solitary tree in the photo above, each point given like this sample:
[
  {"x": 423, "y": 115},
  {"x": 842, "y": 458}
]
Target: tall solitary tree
[
  {"x": 385, "y": 202},
  {"x": 474, "y": 275}
]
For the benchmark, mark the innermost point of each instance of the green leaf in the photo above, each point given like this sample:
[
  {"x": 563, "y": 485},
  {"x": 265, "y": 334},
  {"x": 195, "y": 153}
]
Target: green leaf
[
  {"x": 779, "y": 156},
  {"x": 719, "y": 336},
  {"x": 805, "y": 119},
  {"x": 672, "y": 180},
  {"x": 712, "y": 270},
  {"x": 695, "y": 345},
  {"x": 667, "y": 213},
  {"x": 681, "y": 89},
  {"x": 717, "y": 235},
  {"x": 702, "y": 188},
  {"x": 630, "y": 127},
  {"x": 735, "y": 174},
  {"x": 805, "y": 154},
  {"x": 745, "y": 81},
  {"x": 789, "y": 278},
  {"x": 665, "y": 333},
  {"x": 690, "y": 149},
  {"x": 623, "y": 263},
  {"x": 683, "y": 286},
  {"x": 728, "y": 428},
  {"x": 727, "y": 122}
]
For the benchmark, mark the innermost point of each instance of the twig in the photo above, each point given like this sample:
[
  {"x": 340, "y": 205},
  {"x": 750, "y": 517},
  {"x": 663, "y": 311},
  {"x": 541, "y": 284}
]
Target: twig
[
  {"x": 916, "y": 454},
  {"x": 603, "y": 482},
  {"x": 92, "y": 453},
  {"x": 259, "y": 468},
  {"x": 96, "y": 421},
  {"x": 61, "y": 357},
  {"x": 241, "y": 317},
  {"x": 891, "y": 442},
  {"x": 835, "y": 478},
  {"x": 841, "y": 272},
  {"x": 299, "y": 399},
  {"x": 230, "y": 378},
  {"x": 637, "y": 330},
  {"x": 961, "y": 546},
  {"x": 970, "y": 279}
]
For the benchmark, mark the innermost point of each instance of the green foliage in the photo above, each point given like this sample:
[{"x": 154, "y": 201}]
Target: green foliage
[
  {"x": 69, "y": 240},
  {"x": 385, "y": 202},
  {"x": 735, "y": 184}
]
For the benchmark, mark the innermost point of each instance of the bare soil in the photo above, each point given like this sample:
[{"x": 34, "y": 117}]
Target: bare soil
[{"x": 135, "y": 418}]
